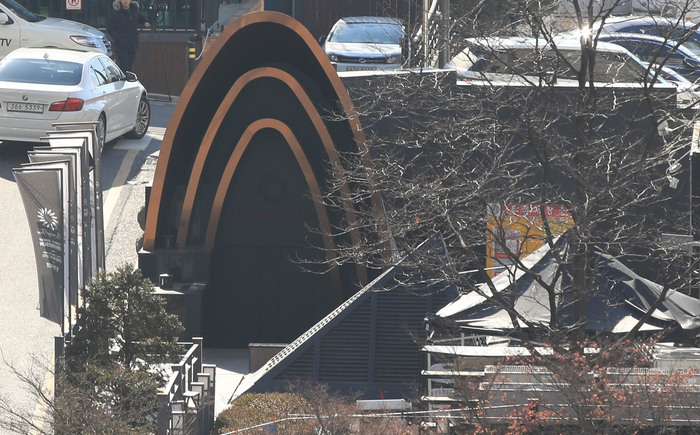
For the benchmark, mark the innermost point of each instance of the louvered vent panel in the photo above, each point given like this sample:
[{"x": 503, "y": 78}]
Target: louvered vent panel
[
  {"x": 399, "y": 327},
  {"x": 442, "y": 298},
  {"x": 345, "y": 349},
  {"x": 301, "y": 368}
]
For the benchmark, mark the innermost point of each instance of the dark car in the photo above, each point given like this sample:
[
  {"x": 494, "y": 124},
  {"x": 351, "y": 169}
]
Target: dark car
[
  {"x": 670, "y": 28},
  {"x": 658, "y": 50}
]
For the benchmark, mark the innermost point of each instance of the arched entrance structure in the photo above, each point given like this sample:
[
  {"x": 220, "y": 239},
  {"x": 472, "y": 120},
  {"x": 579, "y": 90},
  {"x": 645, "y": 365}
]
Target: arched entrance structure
[{"x": 250, "y": 144}]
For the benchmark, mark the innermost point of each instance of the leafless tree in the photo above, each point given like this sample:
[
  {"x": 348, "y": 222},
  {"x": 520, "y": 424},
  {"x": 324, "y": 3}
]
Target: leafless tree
[{"x": 449, "y": 157}]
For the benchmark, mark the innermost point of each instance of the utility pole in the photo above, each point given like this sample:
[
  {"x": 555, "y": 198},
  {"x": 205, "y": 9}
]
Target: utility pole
[
  {"x": 445, "y": 53},
  {"x": 693, "y": 168},
  {"x": 426, "y": 40}
]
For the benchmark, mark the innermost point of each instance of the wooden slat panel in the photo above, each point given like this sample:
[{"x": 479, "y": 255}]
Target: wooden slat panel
[{"x": 159, "y": 70}]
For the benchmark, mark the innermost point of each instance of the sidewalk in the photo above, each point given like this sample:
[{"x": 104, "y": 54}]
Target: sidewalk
[{"x": 231, "y": 367}]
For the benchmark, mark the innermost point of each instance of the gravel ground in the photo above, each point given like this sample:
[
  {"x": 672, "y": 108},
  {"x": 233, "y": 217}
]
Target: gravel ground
[{"x": 123, "y": 231}]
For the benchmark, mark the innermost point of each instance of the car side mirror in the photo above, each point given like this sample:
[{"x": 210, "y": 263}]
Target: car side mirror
[
  {"x": 130, "y": 76},
  {"x": 690, "y": 64},
  {"x": 4, "y": 19},
  {"x": 322, "y": 39}
]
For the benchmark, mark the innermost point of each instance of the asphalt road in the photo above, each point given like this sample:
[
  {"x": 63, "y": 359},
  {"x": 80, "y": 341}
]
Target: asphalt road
[{"x": 24, "y": 336}]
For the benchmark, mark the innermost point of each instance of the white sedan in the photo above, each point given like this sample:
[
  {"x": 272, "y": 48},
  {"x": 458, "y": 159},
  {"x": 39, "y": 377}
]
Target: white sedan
[
  {"x": 365, "y": 44},
  {"x": 42, "y": 86}
]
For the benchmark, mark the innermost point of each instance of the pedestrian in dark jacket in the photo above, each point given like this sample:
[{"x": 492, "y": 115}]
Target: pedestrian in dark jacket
[{"x": 123, "y": 22}]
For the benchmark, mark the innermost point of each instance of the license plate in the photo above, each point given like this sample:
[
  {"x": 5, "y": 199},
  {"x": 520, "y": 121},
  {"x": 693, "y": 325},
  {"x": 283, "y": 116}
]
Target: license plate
[
  {"x": 25, "y": 107},
  {"x": 362, "y": 68}
]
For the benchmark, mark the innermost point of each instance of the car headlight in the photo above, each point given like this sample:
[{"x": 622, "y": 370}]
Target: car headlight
[
  {"x": 393, "y": 59},
  {"x": 333, "y": 57},
  {"x": 87, "y": 41}
]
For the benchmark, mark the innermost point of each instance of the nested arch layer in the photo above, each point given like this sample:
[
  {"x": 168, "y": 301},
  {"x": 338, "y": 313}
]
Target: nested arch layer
[
  {"x": 309, "y": 111},
  {"x": 254, "y": 42}
]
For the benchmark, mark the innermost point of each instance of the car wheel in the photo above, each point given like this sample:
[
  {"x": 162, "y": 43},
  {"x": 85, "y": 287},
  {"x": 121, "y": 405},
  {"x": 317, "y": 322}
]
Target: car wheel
[
  {"x": 143, "y": 119},
  {"x": 101, "y": 131}
]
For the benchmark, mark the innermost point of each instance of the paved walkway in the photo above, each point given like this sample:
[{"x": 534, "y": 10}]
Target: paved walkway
[{"x": 231, "y": 367}]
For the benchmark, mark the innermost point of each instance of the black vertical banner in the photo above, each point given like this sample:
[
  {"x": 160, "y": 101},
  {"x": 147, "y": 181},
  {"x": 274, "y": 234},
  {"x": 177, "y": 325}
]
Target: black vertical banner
[
  {"x": 63, "y": 143},
  {"x": 87, "y": 131},
  {"x": 71, "y": 156},
  {"x": 42, "y": 194}
]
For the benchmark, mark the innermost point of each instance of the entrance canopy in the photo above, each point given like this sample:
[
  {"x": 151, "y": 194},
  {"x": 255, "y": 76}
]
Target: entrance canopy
[{"x": 618, "y": 298}]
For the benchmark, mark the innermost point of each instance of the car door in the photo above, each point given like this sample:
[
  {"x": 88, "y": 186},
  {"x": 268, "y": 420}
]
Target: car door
[
  {"x": 108, "y": 93},
  {"x": 9, "y": 34},
  {"x": 129, "y": 95},
  {"x": 677, "y": 61},
  {"x": 114, "y": 98},
  {"x": 103, "y": 94},
  {"x": 125, "y": 97},
  {"x": 645, "y": 50}
]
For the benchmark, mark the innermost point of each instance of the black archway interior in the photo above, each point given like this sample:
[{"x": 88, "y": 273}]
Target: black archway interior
[
  {"x": 266, "y": 75},
  {"x": 258, "y": 291}
]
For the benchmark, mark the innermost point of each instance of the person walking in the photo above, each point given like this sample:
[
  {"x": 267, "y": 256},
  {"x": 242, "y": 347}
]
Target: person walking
[{"x": 123, "y": 22}]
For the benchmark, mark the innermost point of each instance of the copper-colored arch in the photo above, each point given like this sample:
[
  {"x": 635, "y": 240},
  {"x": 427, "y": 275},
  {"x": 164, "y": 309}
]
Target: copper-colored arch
[
  {"x": 215, "y": 125},
  {"x": 195, "y": 81},
  {"x": 309, "y": 176}
]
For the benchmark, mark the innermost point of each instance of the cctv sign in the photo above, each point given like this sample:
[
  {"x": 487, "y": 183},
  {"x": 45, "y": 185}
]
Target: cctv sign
[{"x": 74, "y": 5}]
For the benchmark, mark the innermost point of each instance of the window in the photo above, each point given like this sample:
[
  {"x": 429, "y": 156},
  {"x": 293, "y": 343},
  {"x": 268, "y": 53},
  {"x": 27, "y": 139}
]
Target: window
[
  {"x": 609, "y": 67},
  {"x": 692, "y": 41},
  {"x": 367, "y": 33},
  {"x": 674, "y": 60},
  {"x": 114, "y": 74},
  {"x": 21, "y": 11},
  {"x": 656, "y": 53},
  {"x": 98, "y": 75},
  {"x": 41, "y": 71},
  {"x": 652, "y": 52}
]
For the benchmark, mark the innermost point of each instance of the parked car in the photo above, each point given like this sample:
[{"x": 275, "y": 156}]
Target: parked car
[
  {"x": 674, "y": 29},
  {"x": 20, "y": 27},
  {"x": 534, "y": 60},
  {"x": 613, "y": 8},
  {"x": 528, "y": 61},
  {"x": 365, "y": 43},
  {"x": 658, "y": 50},
  {"x": 42, "y": 86}
]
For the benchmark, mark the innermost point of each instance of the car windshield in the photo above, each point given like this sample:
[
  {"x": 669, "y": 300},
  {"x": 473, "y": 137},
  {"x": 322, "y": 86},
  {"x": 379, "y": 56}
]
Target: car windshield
[
  {"x": 41, "y": 71},
  {"x": 376, "y": 33},
  {"x": 21, "y": 11},
  {"x": 609, "y": 67}
]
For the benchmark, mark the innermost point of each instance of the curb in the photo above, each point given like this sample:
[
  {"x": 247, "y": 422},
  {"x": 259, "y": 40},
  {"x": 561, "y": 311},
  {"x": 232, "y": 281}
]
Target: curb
[{"x": 161, "y": 98}]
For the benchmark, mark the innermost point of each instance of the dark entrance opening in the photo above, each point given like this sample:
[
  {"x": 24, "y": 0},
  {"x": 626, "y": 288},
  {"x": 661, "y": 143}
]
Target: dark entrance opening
[{"x": 259, "y": 290}]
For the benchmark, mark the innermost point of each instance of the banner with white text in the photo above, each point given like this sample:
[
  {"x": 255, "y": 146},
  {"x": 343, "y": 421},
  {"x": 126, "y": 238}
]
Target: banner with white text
[{"x": 42, "y": 192}]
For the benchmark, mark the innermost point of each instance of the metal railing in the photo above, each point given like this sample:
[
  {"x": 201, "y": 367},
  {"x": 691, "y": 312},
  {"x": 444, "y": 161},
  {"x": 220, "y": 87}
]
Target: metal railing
[{"x": 186, "y": 403}]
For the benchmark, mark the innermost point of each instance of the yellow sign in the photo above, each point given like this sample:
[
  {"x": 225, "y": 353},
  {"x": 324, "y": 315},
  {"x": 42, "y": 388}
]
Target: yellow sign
[{"x": 516, "y": 230}]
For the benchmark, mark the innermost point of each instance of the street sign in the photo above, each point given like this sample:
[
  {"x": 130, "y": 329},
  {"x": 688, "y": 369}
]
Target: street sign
[{"x": 74, "y": 5}]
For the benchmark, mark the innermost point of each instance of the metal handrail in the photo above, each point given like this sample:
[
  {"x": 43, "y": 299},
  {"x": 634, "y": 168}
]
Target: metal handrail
[{"x": 186, "y": 402}]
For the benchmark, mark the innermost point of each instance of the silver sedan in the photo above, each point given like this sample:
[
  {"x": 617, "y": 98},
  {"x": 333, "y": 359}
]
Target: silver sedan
[{"x": 43, "y": 86}]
